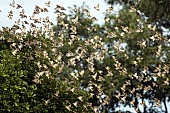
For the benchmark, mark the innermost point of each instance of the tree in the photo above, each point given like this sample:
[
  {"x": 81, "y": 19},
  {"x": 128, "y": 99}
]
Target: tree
[
  {"x": 80, "y": 43},
  {"x": 156, "y": 11},
  {"x": 106, "y": 67},
  {"x": 141, "y": 53},
  {"x": 28, "y": 74}
]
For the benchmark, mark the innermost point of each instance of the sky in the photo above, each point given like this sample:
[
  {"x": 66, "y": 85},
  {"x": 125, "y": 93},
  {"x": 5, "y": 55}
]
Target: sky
[{"x": 29, "y": 5}]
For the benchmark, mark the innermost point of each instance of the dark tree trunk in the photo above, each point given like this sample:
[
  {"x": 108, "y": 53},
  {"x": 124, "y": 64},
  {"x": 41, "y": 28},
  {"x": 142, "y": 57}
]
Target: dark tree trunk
[{"x": 164, "y": 101}]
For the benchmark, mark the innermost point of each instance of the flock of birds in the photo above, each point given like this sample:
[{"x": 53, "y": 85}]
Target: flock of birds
[
  {"x": 24, "y": 19},
  {"x": 22, "y": 22}
]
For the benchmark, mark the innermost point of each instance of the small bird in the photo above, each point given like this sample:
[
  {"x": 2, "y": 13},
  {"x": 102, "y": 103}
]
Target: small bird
[
  {"x": 25, "y": 22},
  {"x": 107, "y": 19},
  {"x": 61, "y": 14},
  {"x": 46, "y": 101},
  {"x": 32, "y": 17},
  {"x": 75, "y": 20},
  {"x": 80, "y": 98},
  {"x": 48, "y": 3},
  {"x": 97, "y": 7},
  {"x": 68, "y": 107},
  {"x": 60, "y": 7},
  {"x": 110, "y": 9},
  {"x": 85, "y": 11},
  {"x": 37, "y": 7},
  {"x": 22, "y": 14},
  {"x": 13, "y": 3},
  {"x": 75, "y": 103},
  {"x": 45, "y": 10},
  {"x": 17, "y": 22},
  {"x": 10, "y": 14},
  {"x": 15, "y": 27},
  {"x": 94, "y": 19},
  {"x": 37, "y": 20},
  {"x": 56, "y": 11},
  {"x": 94, "y": 76},
  {"x": 36, "y": 11},
  {"x": 46, "y": 19},
  {"x": 14, "y": 52},
  {"x": 18, "y": 6},
  {"x": 32, "y": 25}
]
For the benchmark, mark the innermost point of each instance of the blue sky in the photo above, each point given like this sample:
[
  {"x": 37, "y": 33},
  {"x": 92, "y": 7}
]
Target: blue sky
[{"x": 29, "y": 5}]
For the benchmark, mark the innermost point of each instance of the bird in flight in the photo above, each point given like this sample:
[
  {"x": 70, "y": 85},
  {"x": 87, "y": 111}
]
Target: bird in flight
[
  {"x": 97, "y": 7},
  {"x": 48, "y": 3},
  {"x": 12, "y": 3}
]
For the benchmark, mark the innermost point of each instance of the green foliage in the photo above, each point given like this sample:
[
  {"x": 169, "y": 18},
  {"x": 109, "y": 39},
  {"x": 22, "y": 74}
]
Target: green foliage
[
  {"x": 156, "y": 11},
  {"x": 21, "y": 91},
  {"x": 119, "y": 60},
  {"x": 140, "y": 58}
]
